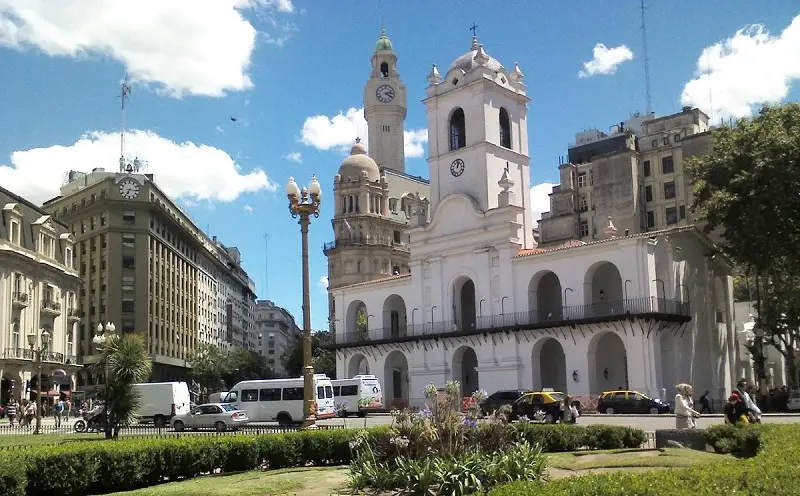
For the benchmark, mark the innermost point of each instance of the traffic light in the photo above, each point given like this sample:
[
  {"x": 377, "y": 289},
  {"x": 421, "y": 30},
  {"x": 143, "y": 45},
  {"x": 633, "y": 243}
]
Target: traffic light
[
  {"x": 13, "y": 383},
  {"x": 27, "y": 386}
]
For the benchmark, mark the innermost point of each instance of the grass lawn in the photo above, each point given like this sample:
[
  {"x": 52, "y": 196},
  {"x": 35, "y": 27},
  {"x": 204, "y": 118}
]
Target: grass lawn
[
  {"x": 297, "y": 482},
  {"x": 20, "y": 440},
  {"x": 585, "y": 462}
]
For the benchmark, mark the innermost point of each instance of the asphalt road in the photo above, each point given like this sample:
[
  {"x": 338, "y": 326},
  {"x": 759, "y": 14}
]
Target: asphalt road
[{"x": 648, "y": 423}]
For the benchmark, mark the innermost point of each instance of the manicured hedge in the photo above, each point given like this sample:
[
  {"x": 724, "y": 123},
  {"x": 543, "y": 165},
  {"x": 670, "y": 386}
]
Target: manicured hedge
[
  {"x": 772, "y": 472},
  {"x": 99, "y": 467}
]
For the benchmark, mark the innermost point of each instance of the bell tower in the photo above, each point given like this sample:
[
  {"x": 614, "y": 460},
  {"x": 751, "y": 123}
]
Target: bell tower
[{"x": 385, "y": 108}]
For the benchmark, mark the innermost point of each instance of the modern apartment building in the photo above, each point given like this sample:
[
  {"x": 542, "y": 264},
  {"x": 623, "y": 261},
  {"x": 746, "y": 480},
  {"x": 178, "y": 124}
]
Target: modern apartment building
[
  {"x": 277, "y": 332},
  {"x": 634, "y": 176},
  {"x": 146, "y": 267},
  {"x": 39, "y": 285}
]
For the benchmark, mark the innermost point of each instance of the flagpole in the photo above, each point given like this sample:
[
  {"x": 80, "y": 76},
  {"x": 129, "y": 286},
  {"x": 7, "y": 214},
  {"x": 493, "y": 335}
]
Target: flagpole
[{"x": 126, "y": 90}]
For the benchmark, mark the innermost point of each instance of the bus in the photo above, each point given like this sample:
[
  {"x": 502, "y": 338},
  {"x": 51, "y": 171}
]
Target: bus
[
  {"x": 281, "y": 400},
  {"x": 359, "y": 394}
]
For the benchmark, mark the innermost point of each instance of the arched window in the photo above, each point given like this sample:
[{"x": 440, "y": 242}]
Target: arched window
[
  {"x": 384, "y": 69},
  {"x": 458, "y": 130},
  {"x": 505, "y": 129},
  {"x": 351, "y": 204}
]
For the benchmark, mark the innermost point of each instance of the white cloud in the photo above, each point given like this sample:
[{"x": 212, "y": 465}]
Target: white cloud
[
  {"x": 182, "y": 46},
  {"x": 248, "y": 208},
  {"x": 184, "y": 171},
  {"x": 323, "y": 283},
  {"x": 605, "y": 60},
  {"x": 295, "y": 157},
  {"x": 748, "y": 69},
  {"x": 339, "y": 132},
  {"x": 540, "y": 200}
]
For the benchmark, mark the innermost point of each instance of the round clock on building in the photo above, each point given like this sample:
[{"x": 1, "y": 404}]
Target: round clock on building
[
  {"x": 129, "y": 189},
  {"x": 384, "y": 93},
  {"x": 457, "y": 167}
]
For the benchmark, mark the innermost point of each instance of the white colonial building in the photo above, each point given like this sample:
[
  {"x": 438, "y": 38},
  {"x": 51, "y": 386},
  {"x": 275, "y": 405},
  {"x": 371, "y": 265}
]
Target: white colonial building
[{"x": 484, "y": 306}]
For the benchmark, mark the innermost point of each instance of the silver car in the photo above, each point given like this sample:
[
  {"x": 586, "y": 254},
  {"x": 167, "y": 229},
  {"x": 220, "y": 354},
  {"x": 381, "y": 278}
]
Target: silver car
[{"x": 218, "y": 416}]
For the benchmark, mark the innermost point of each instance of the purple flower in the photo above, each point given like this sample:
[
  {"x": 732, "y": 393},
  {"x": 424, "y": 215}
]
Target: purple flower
[{"x": 470, "y": 423}]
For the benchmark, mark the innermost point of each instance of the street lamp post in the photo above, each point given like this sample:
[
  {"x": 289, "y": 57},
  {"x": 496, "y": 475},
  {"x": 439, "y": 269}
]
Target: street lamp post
[
  {"x": 304, "y": 203},
  {"x": 38, "y": 351},
  {"x": 100, "y": 338}
]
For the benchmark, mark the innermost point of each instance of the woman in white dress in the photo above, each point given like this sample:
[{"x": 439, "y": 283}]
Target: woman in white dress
[{"x": 684, "y": 411}]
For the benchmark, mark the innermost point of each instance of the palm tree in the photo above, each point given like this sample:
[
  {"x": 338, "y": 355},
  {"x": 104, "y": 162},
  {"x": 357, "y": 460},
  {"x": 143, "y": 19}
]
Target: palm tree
[{"x": 126, "y": 363}]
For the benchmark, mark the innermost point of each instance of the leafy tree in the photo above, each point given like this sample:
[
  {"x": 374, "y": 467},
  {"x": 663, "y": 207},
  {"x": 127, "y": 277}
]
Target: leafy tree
[
  {"x": 748, "y": 189},
  {"x": 124, "y": 358},
  {"x": 362, "y": 321},
  {"x": 245, "y": 365},
  {"x": 209, "y": 365},
  {"x": 323, "y": 360}
]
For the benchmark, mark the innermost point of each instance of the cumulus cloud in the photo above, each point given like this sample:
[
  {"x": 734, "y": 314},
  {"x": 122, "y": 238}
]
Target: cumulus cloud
[
  {"x": 323, "y": 283},
  {"x": 540, "y": 200},
  {"x": 338, "y": 133},
  {"x": 295, "y": 157},
  {"x": 185, "y": 171},
  {"x": 181, "y": 46},
  {"x": 750, "y": 68},
  {"x": 605, "y": 60}
]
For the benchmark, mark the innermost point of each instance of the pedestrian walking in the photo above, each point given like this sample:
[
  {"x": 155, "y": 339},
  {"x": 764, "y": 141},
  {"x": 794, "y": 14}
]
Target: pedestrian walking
[
  {"x": 736, "y": 411},
  {"x": 11, "y": 410},
  {"x": 58, "y": 410},
  {"x": 685, "y": 414}
]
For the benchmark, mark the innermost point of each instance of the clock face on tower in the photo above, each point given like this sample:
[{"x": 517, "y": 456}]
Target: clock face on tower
[
  {"x": 457, "y": 167},
  {"x": 384, "y": 93},
  {"x": 129, "y": 189}
]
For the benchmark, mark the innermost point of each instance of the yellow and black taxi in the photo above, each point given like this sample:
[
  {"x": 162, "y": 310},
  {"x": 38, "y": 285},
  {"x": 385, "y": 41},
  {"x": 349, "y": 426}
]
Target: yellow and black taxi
[
  {"x": 630, "y": 402},
  {"x": 544, "y": 405}
]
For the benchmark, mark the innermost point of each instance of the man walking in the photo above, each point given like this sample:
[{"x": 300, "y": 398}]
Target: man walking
[
  {"x": 752, "y": 408},
  {"x": 58, "y": 409}
]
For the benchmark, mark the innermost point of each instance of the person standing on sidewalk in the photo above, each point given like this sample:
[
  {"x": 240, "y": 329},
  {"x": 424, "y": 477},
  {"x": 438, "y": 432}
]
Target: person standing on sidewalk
[
  {"x": 11, "y": 410},
  {"x": 58, "y": 409}
]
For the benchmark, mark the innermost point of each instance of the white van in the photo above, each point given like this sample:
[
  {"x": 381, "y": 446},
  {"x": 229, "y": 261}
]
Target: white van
[
  {"x": 160, "y": 401},
  {"x": 217, "y": 397},
  {"x": 281, "y": 400},
  {"x": 359, "y": 394}
]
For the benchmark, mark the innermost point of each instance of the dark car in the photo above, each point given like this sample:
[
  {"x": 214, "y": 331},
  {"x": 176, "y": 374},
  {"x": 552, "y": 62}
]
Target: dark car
[
  {"x": 545, "y": 403},
  {"x": 499, "y": 399},
  {"x": 630, "y": 402}
]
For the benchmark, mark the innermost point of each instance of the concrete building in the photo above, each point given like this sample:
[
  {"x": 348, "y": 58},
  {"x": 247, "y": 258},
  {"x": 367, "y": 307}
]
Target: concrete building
[
  {"x": 38, "y": 291},
  {"x": 776, "y": 366},
  {"x": 277, "y": 332},
  {"x": 149, "y": 269},
  {"x": 484, "y": 306},
  {"x": 634, "y": 174},
  {"x": 372, "y": 192}
]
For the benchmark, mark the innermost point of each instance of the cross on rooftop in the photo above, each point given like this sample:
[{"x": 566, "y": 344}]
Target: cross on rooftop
[{"x": 474, "y": 29}]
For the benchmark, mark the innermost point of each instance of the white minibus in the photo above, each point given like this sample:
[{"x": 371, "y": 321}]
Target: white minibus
[
  {"x": 281, "y": 400},
  {"x": 359, "y": 394}
]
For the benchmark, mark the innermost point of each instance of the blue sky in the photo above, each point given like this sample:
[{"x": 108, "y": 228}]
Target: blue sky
[{"x": 292, "y": 74}]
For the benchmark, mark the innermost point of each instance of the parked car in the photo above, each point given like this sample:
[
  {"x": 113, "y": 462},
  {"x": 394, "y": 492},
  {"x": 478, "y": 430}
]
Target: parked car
[
  {"x": 542, "y": 403},
  {"x": 218, "y": 416},
  {"x": 501, "y": 398},
  {"x": 630, "y": 402}
]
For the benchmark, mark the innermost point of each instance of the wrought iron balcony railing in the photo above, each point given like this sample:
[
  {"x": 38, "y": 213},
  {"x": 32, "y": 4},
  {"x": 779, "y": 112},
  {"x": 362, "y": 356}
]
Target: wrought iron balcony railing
[
  {"x": 363, "y": 241},
  {"x": 558, "y": 316},
  {"x": 29, "y": 354}
]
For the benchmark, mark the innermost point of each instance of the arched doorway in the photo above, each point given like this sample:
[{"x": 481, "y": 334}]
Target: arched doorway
[
  {"x": 356, "y": 322},
  {"x": 394, "y": 317},
  {"x": 553, "y": 365},
  {"x": 545, "y": 296},
  {"x": 604, "y": 290},
  {"x": 669, "y": 356},
  {"x": 465, "y": 370},
  {"x": 357, "y": 365},
  {"x": 464, "y": 304},
  {"x": 396, "y": 380},
  {"x": 7, "y": 385},
  {"x": 608, "y": 363}
]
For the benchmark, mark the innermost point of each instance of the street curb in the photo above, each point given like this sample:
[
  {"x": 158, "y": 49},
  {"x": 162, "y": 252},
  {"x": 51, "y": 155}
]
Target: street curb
[{"x": 712, "y": 415}]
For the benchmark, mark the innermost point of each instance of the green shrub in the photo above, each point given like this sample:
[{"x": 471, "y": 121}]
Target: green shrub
[
  {"x": 772, "y": 472},
  {"x": 739, "y": 440}
]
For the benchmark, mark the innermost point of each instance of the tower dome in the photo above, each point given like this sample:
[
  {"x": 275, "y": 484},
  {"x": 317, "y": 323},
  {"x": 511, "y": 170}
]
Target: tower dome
[
  {"x": 383, "y": 43},
  {"x": 467, "y": 61},
  {"x": 359, "y": 162}
]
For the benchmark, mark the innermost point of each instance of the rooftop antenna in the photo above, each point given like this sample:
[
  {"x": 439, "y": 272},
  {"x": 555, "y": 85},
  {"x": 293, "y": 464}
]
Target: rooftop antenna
[
  {"x": 646, "y": 61},
  {"x": 710, "y": 101},
  {"x": 266, "y": 265},
  {"x": 124, "y": 93}
]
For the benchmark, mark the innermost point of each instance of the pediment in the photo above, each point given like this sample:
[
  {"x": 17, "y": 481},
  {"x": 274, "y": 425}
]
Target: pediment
[
  {"x": 457, "y": 213},
  {"x": 45, "y": 222},
  {"x": 68, "y": 237},
  {"x": 14, "y": 208}
]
